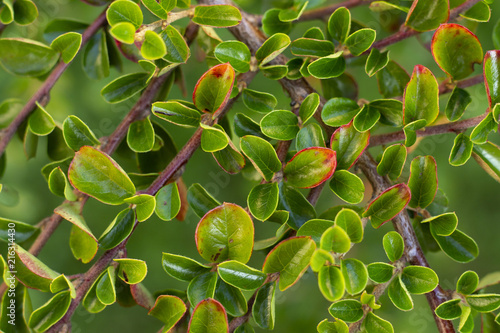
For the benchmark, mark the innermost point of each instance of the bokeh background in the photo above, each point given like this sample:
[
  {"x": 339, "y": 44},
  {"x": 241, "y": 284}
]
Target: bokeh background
[{"x": 473, "y": 195}]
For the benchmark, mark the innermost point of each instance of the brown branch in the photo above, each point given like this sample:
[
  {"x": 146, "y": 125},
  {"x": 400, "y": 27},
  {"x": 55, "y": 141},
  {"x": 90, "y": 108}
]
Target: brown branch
[
  {"x": 447, "y": 87},
  {"x": 173, "y": 169},
  {"x": 43, "y": 93},
  {"x": 459, "y": 126}
]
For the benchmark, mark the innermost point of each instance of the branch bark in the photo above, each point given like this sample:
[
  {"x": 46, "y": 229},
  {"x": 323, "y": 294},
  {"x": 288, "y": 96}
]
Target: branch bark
[{"x": 43, "y": 92}]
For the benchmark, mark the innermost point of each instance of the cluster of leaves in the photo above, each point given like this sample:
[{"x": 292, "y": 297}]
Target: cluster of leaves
[{"x": 225, "y": 232}]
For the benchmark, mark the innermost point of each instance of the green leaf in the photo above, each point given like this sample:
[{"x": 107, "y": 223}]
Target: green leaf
[
  {"x": 366, "y": 119},
  {"x": 177, "y": 48},
  {"x": 290, "y": 258},
  {"x": 31, "y": 271},
  {"x": 25, "y": 12},
  {"x": 399, "y": 295},
  {"x": 160, "y": 8},
  {"x": 461, "y": 151},
  {"x": 177, "y": 113},
  {"x": 392, "y": 80},
  {"x": 350, "y": 221},
  {"x": 96, "y": 57},
  {"x": 153, "y": 47},
  {"x": 258, "y": 101},
  {"x": 124, "y": 87},
  {"x": 236, "y": 53},
  {"x": 280, "y": 125},
  {"x": 393, "y": 245},
  {"x": 244, "y": 125},
  {"x": 388, "y": 204},
  {"x": 293, "y": 13},
  {"x": 105, "y": 289},
  {"x": 349, "y": 310},
  {"x": 272, "y": 47},
  {"x": 202, "y": 287},
  {"x": 315, "y": 228},
  {"x": 91, "y": 303},
  {"x": 349, "y": 145},
  {"x": 421, "y": 98},
  {"x": 335, "y": 239},
  {"x": 169, "y": 309},
  {"x": 225, "y": 232},
  {"x": 182, "y": 268},
  {"x": 308, "y": 47},
  {"x": 446, "y": 40},
  {"x": 392, "y": 162},
  {"x": 480, "y": 12},
  {"x": 458, "y": 246},
  {"x": 339, "y": 24},
  {"x": 98, "y": 175},
  {"x": 331, "y": 283},
  {"x": 26, "y": 57},
  {"x": 339, "y": 111},
  {"x": 51, "y": 312},
  {"x": 118, "y": 230},
  {"x": 449, "y": 310},
  {"x": 213, "y": 89},
  {"x": 457, "y": 104},
  {"x": 484, "y": 302},
  {"x": 427, "y": 15},
  {"x": 132, "y": 271},
  {"x": 309, "y": 106},
  {"x": 217, "y": 16},
  {"x": 373, "y": 323},
  {"x": 263, "y": 309},
  {"x": 376, "y": 61},
  {"x": 77, "y": 134},
  {"x": 213, "y": 138},
  {"x": 360, "y": 41},
  {"x": 209, "y": 315},
  {"x": 68, "y": 45},
  {"x": 230, "y": 159},
  {"x": 444, "y": 224},
  {"x": 423, "y": 181},
  {"x": 355, "y": 275},
  {"x": 488, "y": 157},
  {"x": 124, "y": 11},
  {"x": 262, "y": 155},
  {"x": 347, "y": 186},
  {"x": 391, "y": 111},
  {"x": 276, "y": 72},
  {"x": 22, "y": 307},
  {"x": 467, "y": 283},
  {"x": 83, "y": 245},
  {"x": 296, "y": 204},
  {"x": 141, "y": 136},
  {"x": 310, "y": 136},
  {"x": 263, "y": 200},
  {"x": 380, "y": 272},
  {"x": 327, "y": 326},
  {"x": 328, "y": 67},
  {"x": 41, "y": 122},
  {"x": 271, "y": 24},
  {"x": 321, "y": 258},
  {"x": 61, "y": 283},
  {"x": 72, "y": 212},
  {"x": 492, "y": 76},
  {"x": 231, "y": 298},
  {"x": 310, "y": 167},
  {"x": 168, "y": 202},
  {"x": 23, "y": 231},
  {"x": 200, "y": 200},
  {"x": 410, "y": 131},
  {"x": 419, "y": 280},
  {"x": 240, "y": 275}
]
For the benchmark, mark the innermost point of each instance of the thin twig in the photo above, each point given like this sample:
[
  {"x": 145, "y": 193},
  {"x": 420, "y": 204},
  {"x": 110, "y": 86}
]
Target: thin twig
[
  {"x": 43, "y": 92},
  {"x": 459, "y": 126},
  {"x": 325, "y": 12}
]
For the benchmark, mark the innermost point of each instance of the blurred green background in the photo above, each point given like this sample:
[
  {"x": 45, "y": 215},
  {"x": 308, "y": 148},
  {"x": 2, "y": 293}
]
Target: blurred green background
[{"x": 472, "y": 193}]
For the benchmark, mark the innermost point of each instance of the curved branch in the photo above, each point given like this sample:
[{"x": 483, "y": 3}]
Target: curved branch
[
  {"x": 459, "y": 126},
  {"x": 43, "y": 92}
]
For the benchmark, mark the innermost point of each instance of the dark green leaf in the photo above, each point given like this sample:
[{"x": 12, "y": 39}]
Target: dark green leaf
[
  {"x": 399, "y": 295},
  {"x": 392, "y": 80},
  {"x": 488, "y": 157},
  {"x": 259, "y": 101},
  {"x": 392, "y": 162},
  {"x": 355, "y": 275},
  {"x": 51, "y": 312},
  {"x": 23, "y": 231},
  {"x": 310, "y": 136},
  {"x": 296, "y": 204},
  {"x": 202, "y": 287},
  {"x": 421, "y": 98},
  {"x": 315, "y": 228},
  {"x": 309, "y": 106},
  {"x": 236, "y": 53},
  {"x": 457, "y": 104},
  {"x": 360, "y": 41},
  {"x": 200, "y": 200},
  {"x": 26, "y": 57},
  {"x": 263, "y": 200},
  {"x": 308, "y": 47},
  {"x": 444, "y": 224},
  {"x": 272, "y": 47},
  {"x": 467, "y": 283},
  {"x": 77, "y": 134},
  {"x": 339, "y": 24},
  {"x": 263, "y": 309},
  {"x": 271, "y": 24},
  {"x": 177, "y": 113},
  {"x": 458, "y": 246},
  {"x": 177, "y": 49},
  {"x": 461, "y": 151},
  {"x": 231, "y": 298},
  {"x": 349, "y": 145},
  {"x": 182, "y": 268},
  {"x": 427, "y": 15},
  {"x": 376, "y": 61},
  {"x": 328, "y": 67},
  {"x": 168, "y": 309},
  {"x": 118, "y": 230},
  {"x": 124, "y": 87},
  {"x": 96, "y": 57},
  {"x": 347, "y": 186},
  {"x": 484, "y": 302},
  {"x": 168, "y": 202},
  {"x": 240, "y": 275},
  {"x": 373, "y": 323},
  {"x": 492, "y": 76},
  {"x": 391, "y": 111},
  {"x": 419, "y": 280},
  {"x": 366, "y": 119},
  {"x": 262, "y": 155},
  {"x": 423, "y": 181},
  {"x": 68, "y": 45},
  {"x": 141, "y": 136},
  {"x": 380, "y": 272},
  {"x": 348, "y": 310},
  {"x": 449, "y": 310},
  {"x": 230, "y": 159},
  {"x": 217, "y": 15},
  {"x": 339, "y": 111},
  {"x": 393, "y": 245}
]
